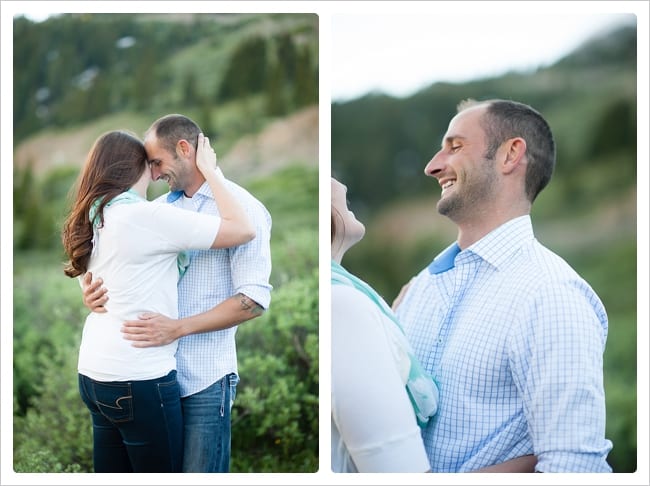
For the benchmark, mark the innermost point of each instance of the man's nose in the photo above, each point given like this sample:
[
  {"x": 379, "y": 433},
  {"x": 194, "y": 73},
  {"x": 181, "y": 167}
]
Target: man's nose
[
  {"x": 155, "y": 172},
  {"x": 435, "y": 165}
]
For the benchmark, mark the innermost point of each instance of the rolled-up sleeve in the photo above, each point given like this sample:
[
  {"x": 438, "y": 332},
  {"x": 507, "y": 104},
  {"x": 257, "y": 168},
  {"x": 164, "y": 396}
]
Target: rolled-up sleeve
[
  {"x": 251, "y": 263},
  {"x": 557, "y": 362}
]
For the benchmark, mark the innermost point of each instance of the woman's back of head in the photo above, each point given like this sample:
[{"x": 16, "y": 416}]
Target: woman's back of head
[{"x": 114, "y": 164}]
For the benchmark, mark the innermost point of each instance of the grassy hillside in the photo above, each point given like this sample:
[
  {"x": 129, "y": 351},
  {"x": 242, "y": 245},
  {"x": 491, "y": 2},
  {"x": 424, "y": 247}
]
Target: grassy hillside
[
  {"x": 68, "y": 91},
  {"x": 73, "y": 68}
]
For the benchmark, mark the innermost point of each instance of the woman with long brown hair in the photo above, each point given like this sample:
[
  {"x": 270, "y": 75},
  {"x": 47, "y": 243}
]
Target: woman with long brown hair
[{"x": 141, "y": 247}]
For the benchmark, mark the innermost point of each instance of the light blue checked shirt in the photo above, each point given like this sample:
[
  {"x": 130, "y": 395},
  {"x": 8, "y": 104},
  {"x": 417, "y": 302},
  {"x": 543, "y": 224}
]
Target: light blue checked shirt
[
  {"x": 214, "y": 276},
  {"x": 515, "y": 340}
]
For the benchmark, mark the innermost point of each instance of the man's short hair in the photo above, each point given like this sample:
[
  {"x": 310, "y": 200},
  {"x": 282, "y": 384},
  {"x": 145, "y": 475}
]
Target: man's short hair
[
  {"x": 171, "y": 128},
  {"x": 505, "y": 119}
]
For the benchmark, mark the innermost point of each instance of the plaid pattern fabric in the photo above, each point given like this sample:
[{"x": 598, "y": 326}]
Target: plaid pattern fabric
[
  {"x": 515, "y": 340},
  {"x": 212, "y": 277}
]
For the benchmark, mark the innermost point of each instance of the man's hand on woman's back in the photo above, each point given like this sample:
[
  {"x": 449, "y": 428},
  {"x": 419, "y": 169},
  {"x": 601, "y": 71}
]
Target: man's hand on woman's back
[{"x": 94, "y": 295}]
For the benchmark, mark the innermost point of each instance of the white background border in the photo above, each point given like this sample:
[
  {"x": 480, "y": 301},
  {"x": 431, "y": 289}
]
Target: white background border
[{"x": 325, "y": 10}]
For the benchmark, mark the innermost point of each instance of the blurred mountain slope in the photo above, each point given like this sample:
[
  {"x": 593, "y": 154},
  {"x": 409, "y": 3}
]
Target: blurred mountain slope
[
  {"x": 237, "y": 75},
  {"x": 381, "y": 144}
]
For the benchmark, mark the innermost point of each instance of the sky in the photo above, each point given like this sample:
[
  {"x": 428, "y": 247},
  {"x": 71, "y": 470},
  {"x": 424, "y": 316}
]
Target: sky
[
  {"x": 399, "y": 54},
  {"x": 375, "y": 47}
]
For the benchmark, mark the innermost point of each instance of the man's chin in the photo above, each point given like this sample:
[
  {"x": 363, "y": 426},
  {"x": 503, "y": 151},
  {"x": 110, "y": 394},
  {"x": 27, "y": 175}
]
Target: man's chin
[{"x": 446, "y": 207}]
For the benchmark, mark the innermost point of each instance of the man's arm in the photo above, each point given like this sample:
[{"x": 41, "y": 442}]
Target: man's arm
[
  {"x": 158, "y": 330},
  {"x": 523, "y": 464},
  {"x": 250, "y": 269},
  {"x": 563, "y": 331}
]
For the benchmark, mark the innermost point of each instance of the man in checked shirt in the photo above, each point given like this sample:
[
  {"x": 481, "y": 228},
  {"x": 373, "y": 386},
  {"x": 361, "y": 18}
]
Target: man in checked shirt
[
  {"x": 219, "y": 290},
  {"x": 513, "y": 335}
]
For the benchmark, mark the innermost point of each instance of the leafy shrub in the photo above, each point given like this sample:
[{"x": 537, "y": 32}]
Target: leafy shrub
[
  {"x": 621, "y": 423},
  {"x": 52, "y": 429},
  {"x": 55, "y": 435},
  {"x": 275, "y": 416},
  {"x": 48, "y": 315}
]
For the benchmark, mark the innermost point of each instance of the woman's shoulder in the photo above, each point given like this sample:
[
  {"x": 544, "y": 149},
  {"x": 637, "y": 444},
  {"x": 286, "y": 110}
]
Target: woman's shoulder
[
  {"x": 352, "y": 307},
  {"x": 345, "y": 295},
  {"x": 149, "y": 214}
]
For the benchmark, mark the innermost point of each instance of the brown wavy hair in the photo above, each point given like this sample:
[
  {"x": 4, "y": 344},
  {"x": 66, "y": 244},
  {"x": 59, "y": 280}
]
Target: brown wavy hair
[{"x": 114, "y": 164}]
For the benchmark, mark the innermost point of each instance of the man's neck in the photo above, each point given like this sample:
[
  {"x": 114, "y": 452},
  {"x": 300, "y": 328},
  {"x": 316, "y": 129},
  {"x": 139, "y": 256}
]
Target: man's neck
[
  {"x": 469, "y": 232},
  {"x": 194, "y": 186}
]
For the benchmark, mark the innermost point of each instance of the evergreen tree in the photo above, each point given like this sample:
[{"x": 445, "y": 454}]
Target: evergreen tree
[
  {"x": 287, "y": 55},
  {"x": 190, "y": 90},
  {"x": 206, "y": 121},
  {"x": 275, "y": 99},
  {"x": 306, "y": 81},
  {"x": 144, "y": 86},
  {"x": 246, "y": 71}
]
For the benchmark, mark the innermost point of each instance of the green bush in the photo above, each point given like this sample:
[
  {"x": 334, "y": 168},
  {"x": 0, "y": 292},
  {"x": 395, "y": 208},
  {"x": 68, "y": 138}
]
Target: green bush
[
  {"x": 55, "y": 435},
  {"x": 52, "y": 429},
  {"x": 275, "y": 417},
  {"x": 48, "y": 316},
  {"x": 621, "y": 424}
]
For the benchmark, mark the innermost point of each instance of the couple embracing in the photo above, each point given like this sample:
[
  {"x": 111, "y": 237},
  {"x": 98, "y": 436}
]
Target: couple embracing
[{"x": 157, "y": 362}]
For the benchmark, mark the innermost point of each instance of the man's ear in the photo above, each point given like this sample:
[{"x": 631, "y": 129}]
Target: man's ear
[
  {"x": 512, "y": 153},
  {"x": 183, "y": 148}
]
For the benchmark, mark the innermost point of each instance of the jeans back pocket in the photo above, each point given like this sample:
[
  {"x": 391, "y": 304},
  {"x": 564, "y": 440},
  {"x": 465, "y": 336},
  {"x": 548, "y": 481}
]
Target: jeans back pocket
[{"x": 114, "y": 400}]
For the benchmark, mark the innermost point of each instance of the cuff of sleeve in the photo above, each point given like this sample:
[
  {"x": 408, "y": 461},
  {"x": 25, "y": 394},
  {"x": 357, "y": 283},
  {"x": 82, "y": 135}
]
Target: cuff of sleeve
[{"x": 261, "y": 295}]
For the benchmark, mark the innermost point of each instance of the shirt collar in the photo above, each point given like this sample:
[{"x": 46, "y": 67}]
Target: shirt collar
[
  {"x": 204, "y": 190},
  {"x": 173, "y": 196},
  {"x": 500, "y": 245},
  {"x": 496, "y": 248},
  {"x": 445, "y": 260}
]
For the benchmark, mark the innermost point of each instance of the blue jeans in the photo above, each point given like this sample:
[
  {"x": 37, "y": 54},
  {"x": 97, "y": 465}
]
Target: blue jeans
[
  {"x": 206, "y": 417},
  {"x": 137, "y": 425}
]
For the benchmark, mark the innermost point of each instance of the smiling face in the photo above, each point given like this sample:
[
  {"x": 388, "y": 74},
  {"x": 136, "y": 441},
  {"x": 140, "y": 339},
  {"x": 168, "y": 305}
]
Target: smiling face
[
  {"x": 166, "y": 165},
  {"x": 468, "y": 180},
  {"x": 346, "y": 228}
]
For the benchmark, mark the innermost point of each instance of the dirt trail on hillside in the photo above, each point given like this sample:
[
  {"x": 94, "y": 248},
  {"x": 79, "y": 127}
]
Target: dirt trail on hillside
[{"x": 291, "y": 140}]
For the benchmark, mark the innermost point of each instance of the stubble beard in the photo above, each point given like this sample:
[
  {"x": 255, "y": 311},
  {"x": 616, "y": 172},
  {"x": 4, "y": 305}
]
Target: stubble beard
[
  {"x": 173, "y": 186},
  {"x": 471, "y": 195},
  {"x": 177, "y": 180}
]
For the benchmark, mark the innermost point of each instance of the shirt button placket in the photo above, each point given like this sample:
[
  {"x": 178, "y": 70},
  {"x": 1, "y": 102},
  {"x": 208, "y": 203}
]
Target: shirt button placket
[{"x": 462, "y": 273}]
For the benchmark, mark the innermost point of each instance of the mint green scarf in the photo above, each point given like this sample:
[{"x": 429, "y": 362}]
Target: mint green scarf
[
  {"x": 130, "y": 197},
  {"x": 127, "y": 197},
  {"x": 420, "y": 386}
]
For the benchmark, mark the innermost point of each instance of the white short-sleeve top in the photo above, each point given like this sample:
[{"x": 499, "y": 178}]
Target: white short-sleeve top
[
  {"x": 135, "y": 253},
  {"x": 374, "y": 428}
]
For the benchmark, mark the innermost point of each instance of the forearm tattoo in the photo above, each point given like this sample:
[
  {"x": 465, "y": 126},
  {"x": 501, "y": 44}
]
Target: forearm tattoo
[{"x": 248, "y": 304}]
